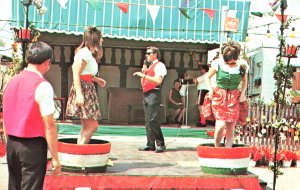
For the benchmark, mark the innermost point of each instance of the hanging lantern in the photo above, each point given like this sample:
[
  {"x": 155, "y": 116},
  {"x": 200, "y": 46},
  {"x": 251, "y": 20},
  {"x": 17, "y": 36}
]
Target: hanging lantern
[
  {"x": 247, "y": 39},
  {"x": 40, "y": 7},
  {"x": 269, "y": 35},
  {"x": 292, "y": 34},
  {"x": 229, "y": 36}
]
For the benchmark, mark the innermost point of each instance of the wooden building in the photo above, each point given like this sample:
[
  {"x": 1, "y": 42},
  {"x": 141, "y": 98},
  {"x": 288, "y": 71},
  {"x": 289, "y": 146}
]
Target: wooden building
[{"x": 184, "y": 31}]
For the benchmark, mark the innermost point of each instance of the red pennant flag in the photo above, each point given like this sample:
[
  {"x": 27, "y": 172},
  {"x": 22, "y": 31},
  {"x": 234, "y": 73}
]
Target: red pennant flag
[
  {"x": 280, "y": 18},
  {"x": 122, "y": 6},
  {"x": 210, "y": 13}
]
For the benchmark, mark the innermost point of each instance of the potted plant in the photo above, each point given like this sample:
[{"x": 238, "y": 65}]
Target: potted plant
[
  {"x": 269, "y": 153},
  {"x": 257, "y": 154},
  {"x": 287, "y": 157}
]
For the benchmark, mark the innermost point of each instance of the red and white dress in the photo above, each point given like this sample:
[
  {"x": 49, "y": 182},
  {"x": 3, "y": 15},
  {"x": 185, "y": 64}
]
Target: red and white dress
[{"x": 225, "y": 102}]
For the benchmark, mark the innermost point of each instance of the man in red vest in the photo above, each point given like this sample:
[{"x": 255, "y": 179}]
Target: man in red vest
[
  {"x": 152, "y": 77},
  {"x": 28, "y": 108}
]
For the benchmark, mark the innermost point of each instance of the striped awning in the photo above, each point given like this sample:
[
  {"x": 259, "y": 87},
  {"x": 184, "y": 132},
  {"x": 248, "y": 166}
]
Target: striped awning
[{"x": 196, "y": 21}]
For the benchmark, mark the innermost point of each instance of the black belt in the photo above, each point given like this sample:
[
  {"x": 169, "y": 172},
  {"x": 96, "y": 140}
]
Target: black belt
[{"x": 154, "y": 90}]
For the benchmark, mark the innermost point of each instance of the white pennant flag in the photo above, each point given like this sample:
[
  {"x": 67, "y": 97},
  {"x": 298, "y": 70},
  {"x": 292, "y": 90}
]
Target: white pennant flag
[
  {"x": 62, "y": 3},
  {"x": 153, "y": 10},
  {"x": 231, "y": 13}
]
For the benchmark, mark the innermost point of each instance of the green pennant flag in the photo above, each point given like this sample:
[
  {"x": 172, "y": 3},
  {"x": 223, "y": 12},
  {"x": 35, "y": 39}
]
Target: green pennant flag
[
  {"x": 2, "y": 43},
  {"x": 95, "y": 4},
  {"x": 184, "y": 12},
  {"x": 259, "y": 14}
]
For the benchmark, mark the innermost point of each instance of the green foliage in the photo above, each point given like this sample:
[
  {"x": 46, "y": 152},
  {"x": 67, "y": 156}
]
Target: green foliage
[
  {"x": 283, "y": 75},
  {"x": 273, "y": 169},
  {"x": 16, "y": 66}
]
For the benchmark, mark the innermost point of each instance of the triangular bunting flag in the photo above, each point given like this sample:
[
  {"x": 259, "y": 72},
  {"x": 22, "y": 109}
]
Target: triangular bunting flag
[
  {"x": 95, "y": 4},
  {"x": 184, "y": 12},
  {"x": 280, "y": 18},
  {"x": 2, "y": 43},
  {"x": 275, "y": 6},
  {"x": 62, "y": 3},
  {"x": 231, "y": 13},
  {"x": 210, "y": 13},
  {"x": 259, "y": 14},
  {"x": 274, "y": 3},
  {"x": 122, "y": 6},
  {"x": 153, "y": 10}
]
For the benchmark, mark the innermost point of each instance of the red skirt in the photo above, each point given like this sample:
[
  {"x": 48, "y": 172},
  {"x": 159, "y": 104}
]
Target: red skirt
[{"x": 225, "y": 104}]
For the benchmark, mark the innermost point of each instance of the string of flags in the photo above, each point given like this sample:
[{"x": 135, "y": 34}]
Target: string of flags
[
  {"x": 231, "y": 24},
  {"x": 271, "y": 9},
  {"x": 153, "y": 9}
]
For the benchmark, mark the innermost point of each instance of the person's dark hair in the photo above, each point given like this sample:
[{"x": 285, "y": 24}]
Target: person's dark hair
[
  {"x": 91, "y": 40},
  {"x": 243, "y": 69},
  {"x": 38, "y": 52},
  {"x": 155, "y": 50},
  {"x": 230, "y": 51},
  {"x": 205, "y": 67},
  {"x": 176, "y": 80}
]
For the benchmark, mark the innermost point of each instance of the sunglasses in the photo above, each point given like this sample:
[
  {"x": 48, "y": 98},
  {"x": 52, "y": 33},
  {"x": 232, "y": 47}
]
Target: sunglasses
[{"x": 148, "y": 53}]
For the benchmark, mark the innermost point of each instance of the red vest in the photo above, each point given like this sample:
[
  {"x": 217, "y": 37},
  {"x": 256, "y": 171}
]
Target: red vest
[
  {"x": 147, "y": 85},
  {"x": 22, "y": 117}
]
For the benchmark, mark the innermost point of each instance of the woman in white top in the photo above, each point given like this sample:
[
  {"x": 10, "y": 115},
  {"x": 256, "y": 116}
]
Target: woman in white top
[
  {"x": 202, "y": 91},
  {"x": 83, "y": 100}
]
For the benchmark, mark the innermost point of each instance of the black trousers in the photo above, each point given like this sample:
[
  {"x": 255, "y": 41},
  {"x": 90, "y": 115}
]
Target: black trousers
[
  {"x": 26, "y": 160},
  {"x": 152, "y": 101}
]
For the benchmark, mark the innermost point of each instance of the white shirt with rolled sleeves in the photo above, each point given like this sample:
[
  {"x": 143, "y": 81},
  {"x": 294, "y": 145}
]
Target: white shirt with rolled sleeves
[
  {"x": 160, "y": 69},
  {"x": 201, "y": 82}
]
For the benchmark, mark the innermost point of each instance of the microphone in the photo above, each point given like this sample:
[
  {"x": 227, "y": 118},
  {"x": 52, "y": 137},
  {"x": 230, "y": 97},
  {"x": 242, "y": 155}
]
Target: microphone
[{"x": 147, "y": 63}]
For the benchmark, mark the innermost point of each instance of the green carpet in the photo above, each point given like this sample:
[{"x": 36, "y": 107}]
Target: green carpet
[{"x": 73, "y": 129}]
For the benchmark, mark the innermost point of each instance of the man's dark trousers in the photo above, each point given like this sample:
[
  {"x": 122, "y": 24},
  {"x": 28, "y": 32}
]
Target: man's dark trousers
[
  {"x": 152, "y": 101},
  {"x": 26, "y": 157}
]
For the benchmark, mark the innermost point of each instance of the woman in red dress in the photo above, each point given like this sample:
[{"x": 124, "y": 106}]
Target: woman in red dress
[{"x": 226, "y": 96}]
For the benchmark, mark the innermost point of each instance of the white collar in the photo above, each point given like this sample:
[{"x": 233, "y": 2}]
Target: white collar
[{"x": 34, "y": 70}]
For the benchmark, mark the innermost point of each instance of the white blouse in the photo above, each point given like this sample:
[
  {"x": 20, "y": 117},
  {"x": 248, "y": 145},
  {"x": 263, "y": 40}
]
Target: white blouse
[
  {"x": 225, "y": 67},
  {"x": 86, "y": 55}
]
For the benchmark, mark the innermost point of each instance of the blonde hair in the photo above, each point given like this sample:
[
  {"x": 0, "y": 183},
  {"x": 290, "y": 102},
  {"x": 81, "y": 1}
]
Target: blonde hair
[{"x": 91, "y": 40}]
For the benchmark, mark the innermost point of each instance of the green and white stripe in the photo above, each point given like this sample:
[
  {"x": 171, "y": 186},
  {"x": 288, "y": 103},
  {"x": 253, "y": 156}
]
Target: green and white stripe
[{"x": 224, "y": 166}]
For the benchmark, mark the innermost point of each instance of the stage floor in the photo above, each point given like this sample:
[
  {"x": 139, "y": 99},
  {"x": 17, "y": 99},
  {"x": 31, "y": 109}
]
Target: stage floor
[{"x": 178, "y": 167}]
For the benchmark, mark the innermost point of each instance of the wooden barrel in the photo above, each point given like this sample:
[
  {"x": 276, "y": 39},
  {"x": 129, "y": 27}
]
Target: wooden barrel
[
  {"x": 87, "y": 158},
  {"x": 221, "y": 160}
]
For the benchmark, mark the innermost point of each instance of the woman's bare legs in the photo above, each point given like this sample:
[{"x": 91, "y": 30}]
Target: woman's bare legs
[
  {"x": 181, "y": 114},
  {"x": 229, "y": 134},
  {"x": 89, "y": 126},
  {"x": 220, "y": 126}
]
